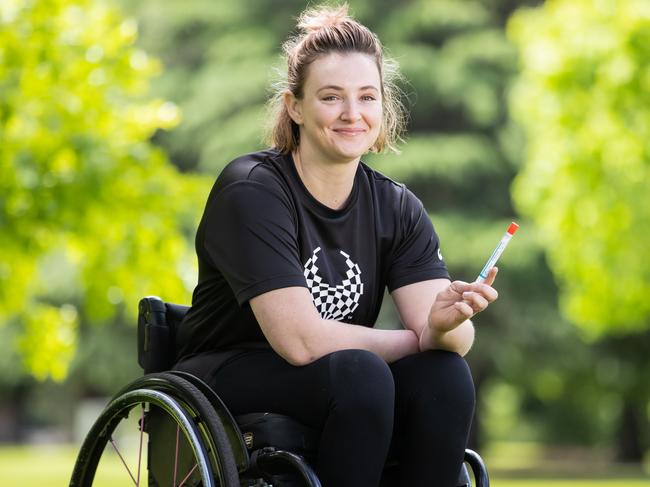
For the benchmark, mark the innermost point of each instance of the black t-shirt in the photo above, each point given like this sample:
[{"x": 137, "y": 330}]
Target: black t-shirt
[{"x": 262, "y": 230}]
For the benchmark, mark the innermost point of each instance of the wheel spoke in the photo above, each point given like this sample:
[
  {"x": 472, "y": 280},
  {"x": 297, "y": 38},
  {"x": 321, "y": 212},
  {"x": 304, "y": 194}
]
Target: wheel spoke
[
  {"x": 188, "y": 475},
  {"x": 140, "y": 448},
  {"x": 178, "y": 429},
  {"x": 165, "y": 402},
  {"x": 123, "y": 462}
]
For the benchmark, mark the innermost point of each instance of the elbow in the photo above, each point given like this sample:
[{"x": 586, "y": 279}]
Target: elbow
[
  {"x": 299, "y": 360},
  {"x": 296, "y": 352},
  {"x": 298, "y": 356},
  {"x": 304, "y": 343},
  {"x": 299, "y": 342}
]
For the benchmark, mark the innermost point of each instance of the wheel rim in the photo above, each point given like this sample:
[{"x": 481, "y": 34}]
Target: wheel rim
[{"x": 117, "y": 413}]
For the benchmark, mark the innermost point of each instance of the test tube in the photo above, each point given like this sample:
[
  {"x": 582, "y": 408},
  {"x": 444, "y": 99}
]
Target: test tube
[{"x": 512, "y": 228}]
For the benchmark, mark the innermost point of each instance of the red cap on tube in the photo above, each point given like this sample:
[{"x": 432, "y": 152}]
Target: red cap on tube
[{"x": 512, "y": 228}]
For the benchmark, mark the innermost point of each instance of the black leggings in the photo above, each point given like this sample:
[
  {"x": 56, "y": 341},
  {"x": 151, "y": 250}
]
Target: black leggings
[{"x": 422, "y": 403}]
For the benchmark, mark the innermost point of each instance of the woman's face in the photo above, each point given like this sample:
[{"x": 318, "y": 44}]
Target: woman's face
[{"x": 340, "y": 113}]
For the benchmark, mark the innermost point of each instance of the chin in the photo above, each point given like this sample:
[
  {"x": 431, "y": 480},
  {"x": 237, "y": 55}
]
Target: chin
[
  {"x": 351, "y": 153},
  {"x": 349, "y": 156}
]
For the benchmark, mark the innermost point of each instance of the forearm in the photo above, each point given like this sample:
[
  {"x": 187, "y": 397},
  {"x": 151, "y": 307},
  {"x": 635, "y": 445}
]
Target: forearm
[
  {"x": 391, "y": 345},
  {"x": 296, "y": 331},
  {"x": 327, "y": 336},
  {"x": 458, "y": 340}
]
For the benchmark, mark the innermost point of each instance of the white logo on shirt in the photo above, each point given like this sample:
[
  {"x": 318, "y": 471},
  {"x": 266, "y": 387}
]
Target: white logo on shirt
[{"x": 334, "y": 302}]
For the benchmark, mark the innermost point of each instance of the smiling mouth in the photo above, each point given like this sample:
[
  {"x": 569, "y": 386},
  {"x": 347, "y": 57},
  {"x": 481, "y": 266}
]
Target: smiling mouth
[{"x": 349, "y": 131}]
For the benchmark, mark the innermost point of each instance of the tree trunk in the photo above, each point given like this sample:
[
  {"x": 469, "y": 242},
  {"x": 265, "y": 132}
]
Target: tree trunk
[
  {"x": 12, "y": 414},
  {"x": 628, "y": 441}
]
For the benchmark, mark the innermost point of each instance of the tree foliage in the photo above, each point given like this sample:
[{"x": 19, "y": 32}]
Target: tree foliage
[
  {"x": 92, "y": 216},
  {"x": 583, "y": 98},
  {"x": 460, "y": 158}
]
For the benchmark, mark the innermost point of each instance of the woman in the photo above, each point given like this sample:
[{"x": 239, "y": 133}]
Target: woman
[{"x": 295, "y": 248}]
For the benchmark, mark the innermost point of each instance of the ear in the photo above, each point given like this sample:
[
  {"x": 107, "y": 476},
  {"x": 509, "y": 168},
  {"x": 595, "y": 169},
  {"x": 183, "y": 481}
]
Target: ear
[{"x": 293, "y": 106}]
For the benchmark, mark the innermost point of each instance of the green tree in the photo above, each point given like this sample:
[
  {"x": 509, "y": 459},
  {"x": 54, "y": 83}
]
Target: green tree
[
  {"x": 583, "y": 100},
  {"x": 217, "y": 57},
  {"x": 92, "y": 216}
]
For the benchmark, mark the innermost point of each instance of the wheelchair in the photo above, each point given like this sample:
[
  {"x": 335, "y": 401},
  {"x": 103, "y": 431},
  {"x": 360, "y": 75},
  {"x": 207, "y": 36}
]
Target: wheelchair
[{"x": 178, "y": 432}]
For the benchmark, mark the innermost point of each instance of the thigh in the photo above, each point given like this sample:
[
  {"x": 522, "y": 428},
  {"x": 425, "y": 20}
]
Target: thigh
[{"x": 261, "y": 381}]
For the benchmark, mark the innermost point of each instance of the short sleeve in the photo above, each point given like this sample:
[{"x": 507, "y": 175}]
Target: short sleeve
[
  {"x": 250, "y": 236},
  {"x": 416, "y": 256}
]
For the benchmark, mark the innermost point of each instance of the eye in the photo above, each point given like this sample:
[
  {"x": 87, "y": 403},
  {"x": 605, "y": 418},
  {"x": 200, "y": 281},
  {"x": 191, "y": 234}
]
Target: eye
[
  {"x": 368, "y": 98},
  {"x": 330, "y": 98}
]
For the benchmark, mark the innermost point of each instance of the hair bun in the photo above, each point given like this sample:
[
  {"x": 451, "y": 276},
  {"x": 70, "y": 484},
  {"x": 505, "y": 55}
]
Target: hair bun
[{"x": 315, "y": 19}]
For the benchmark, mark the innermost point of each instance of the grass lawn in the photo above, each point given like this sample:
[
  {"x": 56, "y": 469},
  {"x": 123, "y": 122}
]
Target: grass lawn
[
  {"x": 533, "y": 465},
  {"x": 569, "y": 482},
  {"x": 509, "y": 466},
  {"x": 49, "y": 466}
]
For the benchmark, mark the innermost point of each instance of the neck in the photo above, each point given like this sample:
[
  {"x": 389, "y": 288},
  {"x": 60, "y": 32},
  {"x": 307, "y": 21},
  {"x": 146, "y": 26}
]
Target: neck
[{"x": 330, "y": 184}]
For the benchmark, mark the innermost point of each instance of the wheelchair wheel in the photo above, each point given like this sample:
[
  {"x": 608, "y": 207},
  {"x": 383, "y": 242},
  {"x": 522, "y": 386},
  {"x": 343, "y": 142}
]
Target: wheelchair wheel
[{"x": 163, "y": 423}]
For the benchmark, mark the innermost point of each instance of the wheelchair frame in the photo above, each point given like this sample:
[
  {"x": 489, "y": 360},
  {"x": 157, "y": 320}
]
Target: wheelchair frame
[{"x": 225, "y": 455}]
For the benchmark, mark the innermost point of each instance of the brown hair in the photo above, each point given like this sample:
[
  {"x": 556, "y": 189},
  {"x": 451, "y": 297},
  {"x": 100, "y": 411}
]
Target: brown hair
[{"x": 323, "y": 30}]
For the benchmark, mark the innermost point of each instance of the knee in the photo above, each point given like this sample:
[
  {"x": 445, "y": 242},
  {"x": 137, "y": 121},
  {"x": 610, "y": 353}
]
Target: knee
[
  {"x": 444, "y": 378},
  {"x": 453, "y": 376},
  {"x": 362, "y": 385},
  {"x": 462, "y": 387}
]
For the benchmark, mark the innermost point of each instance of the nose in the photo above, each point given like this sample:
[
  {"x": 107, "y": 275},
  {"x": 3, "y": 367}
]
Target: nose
[{"x": 351, "y": 111}]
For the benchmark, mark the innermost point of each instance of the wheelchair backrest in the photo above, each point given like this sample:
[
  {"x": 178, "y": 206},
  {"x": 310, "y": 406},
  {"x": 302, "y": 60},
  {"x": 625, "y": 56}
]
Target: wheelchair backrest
[{"x": 157, "y": 324}]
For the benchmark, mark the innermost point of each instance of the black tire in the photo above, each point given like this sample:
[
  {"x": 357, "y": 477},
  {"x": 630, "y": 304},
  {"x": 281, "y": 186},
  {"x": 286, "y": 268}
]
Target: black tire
[{"x": 181, "y": 403}]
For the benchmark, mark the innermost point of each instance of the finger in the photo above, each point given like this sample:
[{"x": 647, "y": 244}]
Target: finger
[
  {"x": 485, "y": 290},
  {"x": 492, "y": 274},
  {"x": 476, "y": 301},
  {"x": 460, "y": 287},
  {"x": 464, "y": 309}
]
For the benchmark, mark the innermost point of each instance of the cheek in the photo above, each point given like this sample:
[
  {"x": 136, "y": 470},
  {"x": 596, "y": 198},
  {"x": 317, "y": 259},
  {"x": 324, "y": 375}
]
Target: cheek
[
  {"x": 320, "y": 115},
  {"x": 377, "y": 121},
  {"x": 375, "y": 116}
]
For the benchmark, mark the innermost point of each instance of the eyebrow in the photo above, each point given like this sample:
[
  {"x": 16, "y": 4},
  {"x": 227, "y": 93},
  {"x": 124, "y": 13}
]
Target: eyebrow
[{"x": 340, "y": 88}]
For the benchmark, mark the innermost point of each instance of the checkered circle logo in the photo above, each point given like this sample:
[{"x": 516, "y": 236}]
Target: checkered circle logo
[{"x": 334, "y": 302}]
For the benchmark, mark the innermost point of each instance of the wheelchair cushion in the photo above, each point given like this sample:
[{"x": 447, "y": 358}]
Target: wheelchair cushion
[{"x": 281, "y": 432}]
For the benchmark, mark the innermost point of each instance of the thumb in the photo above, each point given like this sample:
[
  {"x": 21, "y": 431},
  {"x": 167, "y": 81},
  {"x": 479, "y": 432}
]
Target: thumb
[{"x": 459, "y": 287}]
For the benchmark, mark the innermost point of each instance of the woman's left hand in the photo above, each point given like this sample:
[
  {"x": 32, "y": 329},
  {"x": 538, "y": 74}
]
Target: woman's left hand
[{"x": 460, "y": 301}]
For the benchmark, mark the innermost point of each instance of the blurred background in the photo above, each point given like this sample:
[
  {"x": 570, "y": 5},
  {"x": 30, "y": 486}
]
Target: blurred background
[{"x": 116, "y": 117}]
